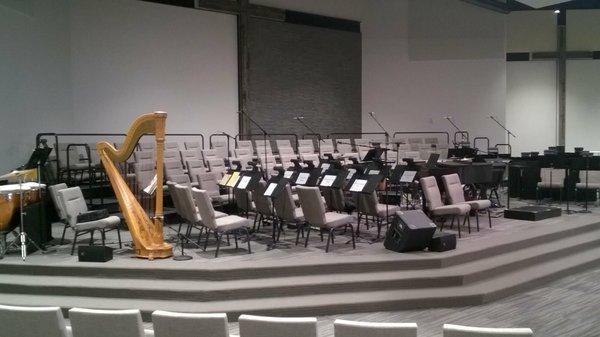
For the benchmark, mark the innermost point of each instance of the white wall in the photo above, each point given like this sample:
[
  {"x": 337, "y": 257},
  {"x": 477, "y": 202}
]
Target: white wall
[
  {"x": 531, "y": 100},
  {"x": 131, "y": 57},
  {"x": 34, "y": 75},
  {"x": 424, "y": 59}
]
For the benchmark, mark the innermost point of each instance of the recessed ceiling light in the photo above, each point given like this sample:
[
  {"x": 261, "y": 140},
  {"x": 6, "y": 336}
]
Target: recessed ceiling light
[{"x": 557, "y": 11}]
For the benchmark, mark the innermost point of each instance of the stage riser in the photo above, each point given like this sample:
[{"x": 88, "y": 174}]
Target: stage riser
[
  {"x": 193, "y": 293},
  {"x": 437, "y": 260}
]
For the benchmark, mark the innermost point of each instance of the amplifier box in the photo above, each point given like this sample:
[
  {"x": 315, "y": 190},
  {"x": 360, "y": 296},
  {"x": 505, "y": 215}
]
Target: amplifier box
[
  {"x": 532, "y": 213},
  {"x": 442, "y": 242},
  {"x": 94, "y": 253}
]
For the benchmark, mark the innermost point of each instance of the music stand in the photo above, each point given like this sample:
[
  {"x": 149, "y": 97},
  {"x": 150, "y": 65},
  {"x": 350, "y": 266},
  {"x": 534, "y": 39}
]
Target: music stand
[{"x": 273, "y": 190}]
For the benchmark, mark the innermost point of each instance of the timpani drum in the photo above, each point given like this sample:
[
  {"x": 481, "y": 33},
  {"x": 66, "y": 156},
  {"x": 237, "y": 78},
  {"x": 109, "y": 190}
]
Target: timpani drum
[{"x": 10, "y": 200}]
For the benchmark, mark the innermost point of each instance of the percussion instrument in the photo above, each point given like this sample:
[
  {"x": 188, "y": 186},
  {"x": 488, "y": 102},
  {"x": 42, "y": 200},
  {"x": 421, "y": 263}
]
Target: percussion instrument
[{"x": 10, "y": 200}]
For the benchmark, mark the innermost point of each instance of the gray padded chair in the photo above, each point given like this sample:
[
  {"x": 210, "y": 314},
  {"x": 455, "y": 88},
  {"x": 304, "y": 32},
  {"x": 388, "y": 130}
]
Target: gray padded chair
[
  {"x": 264, "y": 206},
  {"x": 456, "y": 195},
  {"x": 74, "y": 204},
  {"x": 589, "y": 181},
  {"x": 436, "y": 207},
  {"x": 451, "y": 330},
  {"x": 104, "y": 323},
  {"x": 195, "y": 167},
  {"x": 344, "y": 328},
  {"x": 261, "y": 326},
  {"x": 551, "y": 179},
  {"x": 368, "y": 205},
  {"x": 62, "y": 215},
  {"x": 288, "y": 213},
  {"x": 176, "y": 324},
  {"x": 315, "y": 214},
  {"x": 186, "y": 208},
  {"x": 192, "y": 145},
  {"x": 231, "y": 224},
  {"x": 32, "y": 322},
  {"x": 209, "y": 183}
]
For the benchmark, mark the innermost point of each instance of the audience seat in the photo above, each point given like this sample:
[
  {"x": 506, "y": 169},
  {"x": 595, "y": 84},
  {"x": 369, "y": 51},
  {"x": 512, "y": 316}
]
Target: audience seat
[
  {"x": 344, "y": 328},
  {"x": 104, "y": 323},
  {"x": 32, "y": 322},
  {"x": 176, "y": 324},
  {"x": 451, "y": 330},
  {"x": 261, "y": 326}
]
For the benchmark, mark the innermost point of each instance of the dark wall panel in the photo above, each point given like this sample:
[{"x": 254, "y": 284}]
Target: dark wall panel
[{"x": 299, "y": 70}]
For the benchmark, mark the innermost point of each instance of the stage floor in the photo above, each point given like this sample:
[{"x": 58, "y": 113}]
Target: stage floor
[{"x": 511, "y": 257}]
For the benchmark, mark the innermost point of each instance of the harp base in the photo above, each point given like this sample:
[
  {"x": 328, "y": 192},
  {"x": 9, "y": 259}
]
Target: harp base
[{"x": 157, "y": 253}]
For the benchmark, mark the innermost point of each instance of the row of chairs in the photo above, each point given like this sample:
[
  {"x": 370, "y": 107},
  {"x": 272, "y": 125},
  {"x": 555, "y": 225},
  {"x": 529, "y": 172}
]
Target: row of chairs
[
  {"x": 457, "y": 206},
  {"x": 554, "y": 179},
  {"x": 49, "y": 322}
]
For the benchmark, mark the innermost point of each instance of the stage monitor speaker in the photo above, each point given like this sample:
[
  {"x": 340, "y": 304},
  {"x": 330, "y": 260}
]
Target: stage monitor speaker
[
  {"x": 442, "y": 242},
  {"x": 94, "y": 253},
  {"x": 410, "y": 231}
]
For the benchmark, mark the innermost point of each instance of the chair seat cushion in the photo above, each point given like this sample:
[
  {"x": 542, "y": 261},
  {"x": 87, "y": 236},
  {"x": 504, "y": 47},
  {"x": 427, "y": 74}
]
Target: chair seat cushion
[
  {"x": 220, "y": 214},
  {"x": 591, "y": 186},
  {"x": 382, "y": 209},
  {"x": 479, "y": 204},
  {"x": 231, "y": 222},
  {"x": 456, "y": 209},
  {"x": 110, "y": 222},
  {"x": 222, "y": 198},
  {"x": 550, "y": 185},
  {"x": 333, "y": 219}
]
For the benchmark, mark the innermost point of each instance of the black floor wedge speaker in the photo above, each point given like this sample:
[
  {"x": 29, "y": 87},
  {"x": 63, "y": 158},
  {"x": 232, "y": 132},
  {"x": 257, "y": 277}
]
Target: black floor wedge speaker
[
  {"x": 442, "y": 242},
  {"x": 94, "y": 253},
  {"x": 410, "y": 231}
]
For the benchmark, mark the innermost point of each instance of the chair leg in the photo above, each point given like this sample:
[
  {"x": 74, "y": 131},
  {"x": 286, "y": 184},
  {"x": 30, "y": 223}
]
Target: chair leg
[
  {"x": 452, "y": 222},
  {"x": 218, "y": 244},
  {"x": 92, "y": 237},
  {"x": 248, "y": 240},
  {"x": 353, "y": 239},
  {"x": 477, "y": 218},
  {"x": 458, "y": 222},
  {"x": 489, "y": 217},
  {"x": 62, "y": 238},
  {"x": 443, "y": 223},
  {"x": 119, "y": 237},
  {"x": 207, "y": 237},
  {"x": 236, "y": 240},
  {"x": 328, "y": 240},
  {"x": 74, "y": 242},
  {"x": 298, "y": 229},
  {"x": 103, "y": 236},
  {"x": 307, "y": 235}
]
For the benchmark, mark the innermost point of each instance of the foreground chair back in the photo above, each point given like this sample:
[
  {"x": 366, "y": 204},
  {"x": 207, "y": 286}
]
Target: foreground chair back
[
  {"x": 451, "y": 330},
  {"x": 175, "y": 324},
  {"x": 261, "y": 326},
  {"x": 32, "y": 322},
  {"x": 103, "y": 323},
  {"x": 344, "y": 328}
]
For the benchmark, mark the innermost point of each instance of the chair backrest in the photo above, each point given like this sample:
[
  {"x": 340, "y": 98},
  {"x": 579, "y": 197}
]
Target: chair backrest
[
  {"x": 243, "y": 199},
  {"x": 260, "y": 144},
  {"x": 176, "y": 324},
  {"x": 147, "y": 146},
  {"x": 432, "y": 192},
  {"x": 453, "y": 188},
  {"x": 312, "y": 206},
  {"x": 412, "y": 154},
  {"x": 344, "y": 328},
  {"x": 207, "y": 182},
  {"x": 175, "y": 197},
  {"x": 451, "y": 330},
  {"x": 593, "y": 177},
  {"x": 32, "y": 322},
  {"x": 171, "y": 155},
  {"x": 312, "y": 156},
  {"x": 192, "y": 145},
  {"x": 195, "y": 167},
  {"x": 284, "y": 205},
  {"x": 286, "y": 151},
  {"x": 286, "y": 160},
  {"x": 283, "y": 143},
  {"x": 73, "y": 203},
  {"x": 208, "y": 154},
  {"x": 367, "y": 203},
  {"x": 141, "y": 156},
  {"x": 552, "y": 175},
  {"x": 189, "y": 155},
  {"x": 243, "y": 152},
  {"x": 432, "y": 140},
  {"x": 172, "y": 146},
  {"x": 187, "y": 207},
  {"x": 343, "y": 145},
  {"x": 307, "y": 143},
  {"x": 216, "y": 165},
  {"x": 263, "y": 204},
  {"x": 221, "y": 148},
  {"x": 60, "y": 210},
  {"x": 172, "y": 167},
  {"x": 102, "y": 323},
  {"x": 144, "y": 173},
  {"x": 181, "y": 179},
  {"x": 261, "y": 326},
  {"x": 245, "y": 144},
  {"x": 205, "y": 208}
]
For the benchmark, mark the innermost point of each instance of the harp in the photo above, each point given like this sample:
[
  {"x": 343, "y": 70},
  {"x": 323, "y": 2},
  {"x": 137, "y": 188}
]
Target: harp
[{"x": 147, "y": 234}]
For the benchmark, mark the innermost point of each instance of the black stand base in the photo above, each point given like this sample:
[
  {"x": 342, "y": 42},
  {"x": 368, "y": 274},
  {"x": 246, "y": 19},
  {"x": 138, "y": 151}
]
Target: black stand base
[{"x": 532, "y": 213}]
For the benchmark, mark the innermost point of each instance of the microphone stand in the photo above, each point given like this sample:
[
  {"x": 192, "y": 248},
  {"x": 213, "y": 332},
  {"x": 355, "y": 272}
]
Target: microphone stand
[
  {"x": 319, "y": 139},
  {"x": 508, "y": 133},
  {"x": 387, "y": 174},
  {"x": 265, "y": 174}
]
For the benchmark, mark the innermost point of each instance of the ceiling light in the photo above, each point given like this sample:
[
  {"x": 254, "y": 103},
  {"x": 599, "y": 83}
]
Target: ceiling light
[{"x": 557, "y": 11}]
